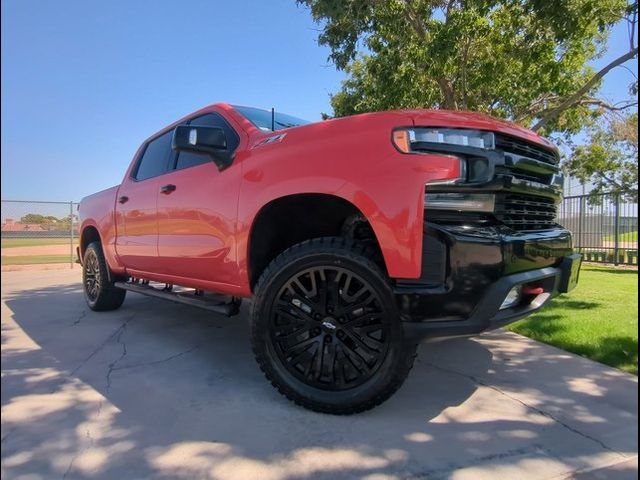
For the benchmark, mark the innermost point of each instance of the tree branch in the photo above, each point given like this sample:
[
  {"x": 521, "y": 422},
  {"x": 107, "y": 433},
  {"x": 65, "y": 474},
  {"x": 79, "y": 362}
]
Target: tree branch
[
  {"x": 463, "y": 70},
  {"x": 610, "y": 180},
  {"x": 418, "y": 26},
  {"x": 616, "y": 107},
  {"x": 575, "y": 98},
  {"x": 447, "y": 8},
  {"x": 537, "y": 107},
  {"x": 632, "y": 26}
]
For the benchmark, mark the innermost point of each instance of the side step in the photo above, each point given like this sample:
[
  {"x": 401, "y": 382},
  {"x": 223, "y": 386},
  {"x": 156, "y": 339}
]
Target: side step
[{"x": 224, "y": 308}]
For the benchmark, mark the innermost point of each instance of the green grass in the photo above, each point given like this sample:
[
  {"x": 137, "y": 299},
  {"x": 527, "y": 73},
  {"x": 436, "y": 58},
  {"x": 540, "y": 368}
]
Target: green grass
[
  {"x": 598, "y": 320},
  {"x": 623, "y": 237},
  {"x": 29, "y": 242},
  {"x": 34, "y": 259}
]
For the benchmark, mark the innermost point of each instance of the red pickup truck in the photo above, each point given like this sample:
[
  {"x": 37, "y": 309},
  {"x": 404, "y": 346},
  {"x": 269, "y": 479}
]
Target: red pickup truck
[{"x": 355, "y": 237}]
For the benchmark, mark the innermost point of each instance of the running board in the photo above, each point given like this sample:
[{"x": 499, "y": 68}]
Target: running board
[{"x": 229, "y": 308}]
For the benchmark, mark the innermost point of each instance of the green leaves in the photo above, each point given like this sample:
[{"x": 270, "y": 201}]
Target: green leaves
[
  {"x": 509, "y": 58},
  {"x": 610, "y": 159}
]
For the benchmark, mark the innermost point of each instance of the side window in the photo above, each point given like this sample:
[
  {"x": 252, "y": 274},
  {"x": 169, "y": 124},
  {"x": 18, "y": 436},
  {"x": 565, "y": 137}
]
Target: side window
[
  {"x": 155, "y": 158},
  {"x": 188, "y": 159}
]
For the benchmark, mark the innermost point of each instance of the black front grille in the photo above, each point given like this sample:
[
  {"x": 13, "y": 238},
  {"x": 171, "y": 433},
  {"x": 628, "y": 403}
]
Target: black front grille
[
  {"x": 526, "y": 149},
  {"x": 526, "y": 212},
  {"x": 525, "y": 174}
]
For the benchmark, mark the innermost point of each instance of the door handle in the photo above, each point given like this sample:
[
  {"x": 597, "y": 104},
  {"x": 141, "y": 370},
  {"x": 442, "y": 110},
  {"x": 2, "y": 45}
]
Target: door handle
[
  {"x": 167, "y": 189},
  {"x": 123, "y": 199}
]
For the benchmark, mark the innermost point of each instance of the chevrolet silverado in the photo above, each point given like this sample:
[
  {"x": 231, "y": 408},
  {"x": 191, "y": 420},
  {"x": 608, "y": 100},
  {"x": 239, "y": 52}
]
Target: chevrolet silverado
[{"x": 355, "y": 238}]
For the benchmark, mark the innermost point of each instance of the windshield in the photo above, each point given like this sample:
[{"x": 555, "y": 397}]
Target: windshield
[{"x": 262, "y": 118}]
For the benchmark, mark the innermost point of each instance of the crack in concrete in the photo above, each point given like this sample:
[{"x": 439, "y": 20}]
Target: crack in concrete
[
  {"x": 598, "y": 468},
  {"x": 88, "y": 447},
  {"x": 530, "y": 407},
  {"x": 446, "y": 470},
  {"x": 68, "y": 470},
  {"x": 6, "y": 435},
  {"x": 103, "y": 344},
  {"x": 99, "y": 409},
  {"x": 123, "y": 354},
  {"x": 77, "y": 321},
  {"x": 75, "y": 457},
  {"x": 156, "y": 362},
  {"x": 118, "y": 335}
]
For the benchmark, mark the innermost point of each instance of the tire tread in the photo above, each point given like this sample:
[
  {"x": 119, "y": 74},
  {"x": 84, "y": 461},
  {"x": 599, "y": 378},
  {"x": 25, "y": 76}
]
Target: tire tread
[
  {"x": 358, "y": 253},
  {"x": 110, "y": 296}
]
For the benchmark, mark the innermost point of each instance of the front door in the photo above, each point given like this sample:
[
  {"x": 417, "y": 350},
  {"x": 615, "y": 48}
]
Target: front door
[
  {"x": 137, "y": 209},
  {"x": 197, "y": 215}
]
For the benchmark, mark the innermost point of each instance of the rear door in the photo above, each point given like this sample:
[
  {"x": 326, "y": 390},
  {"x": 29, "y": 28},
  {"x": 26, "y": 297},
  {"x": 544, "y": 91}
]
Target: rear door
[
  {"x": 136, "y": 205},
  {"x": 197, "y": 217}
]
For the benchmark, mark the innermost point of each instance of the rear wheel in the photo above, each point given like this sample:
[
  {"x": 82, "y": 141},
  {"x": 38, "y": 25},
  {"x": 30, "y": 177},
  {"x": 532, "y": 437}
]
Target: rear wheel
[
  {"x": 325, "y": 329},
  {"x": 99, "y": 291}
]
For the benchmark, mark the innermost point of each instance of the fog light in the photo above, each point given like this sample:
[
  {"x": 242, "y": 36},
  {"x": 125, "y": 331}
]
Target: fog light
[
  {"x": 512, "y": 298},
  {"x": 461, "y": 202}
]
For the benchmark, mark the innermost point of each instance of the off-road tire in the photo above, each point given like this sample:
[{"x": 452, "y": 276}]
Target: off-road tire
[
  {"x": 99, "y": 291},
  {"x": 352, "y": 259}
]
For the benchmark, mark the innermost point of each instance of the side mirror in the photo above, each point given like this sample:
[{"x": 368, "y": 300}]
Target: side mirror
[{"x": 206, "y": 140}]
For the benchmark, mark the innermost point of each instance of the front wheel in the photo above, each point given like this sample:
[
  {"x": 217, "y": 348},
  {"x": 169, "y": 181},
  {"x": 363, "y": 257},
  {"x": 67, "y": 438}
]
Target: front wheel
[
  {"x": 325, "y": 328},
  {"x": 99, "y": 291}
]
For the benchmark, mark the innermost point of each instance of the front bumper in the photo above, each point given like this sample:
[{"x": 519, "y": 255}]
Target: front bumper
[{"x": 468, "y": 271}]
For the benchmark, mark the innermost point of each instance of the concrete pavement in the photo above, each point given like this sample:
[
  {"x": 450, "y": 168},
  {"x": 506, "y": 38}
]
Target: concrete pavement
[{"x": 159, "y": 390}]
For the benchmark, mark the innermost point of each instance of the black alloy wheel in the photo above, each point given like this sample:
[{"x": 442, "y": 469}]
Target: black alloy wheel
[
  {"x": 91, "y": 276},
  {"x": 328, "y": 329},
  {"x": 99, "y": 291},
  {"x": 325, "y": 327}
]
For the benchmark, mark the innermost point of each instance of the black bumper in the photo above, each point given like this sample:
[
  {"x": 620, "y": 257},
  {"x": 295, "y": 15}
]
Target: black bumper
[{"x": 468, "y": 272}]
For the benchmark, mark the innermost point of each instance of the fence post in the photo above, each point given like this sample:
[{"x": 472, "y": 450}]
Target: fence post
[
  {"x": 581, "y": 245},
  {"x": 616, "y": 250},
  {"x": 71, "y": 234}
]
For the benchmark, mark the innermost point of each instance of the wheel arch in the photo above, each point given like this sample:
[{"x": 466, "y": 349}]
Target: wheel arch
[
  {"x": 289, "y": 219},
  {"x": 89, "y": 234}
]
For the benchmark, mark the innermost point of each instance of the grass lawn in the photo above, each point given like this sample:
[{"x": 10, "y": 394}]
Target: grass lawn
[
  {"x": 33, "y": 259},
  {"x": 598, "y": 320},
  {"x": 29, "y": 242}
]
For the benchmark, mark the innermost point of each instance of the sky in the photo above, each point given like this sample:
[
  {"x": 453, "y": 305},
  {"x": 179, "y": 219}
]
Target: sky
[{"x": 84, "y": 82}]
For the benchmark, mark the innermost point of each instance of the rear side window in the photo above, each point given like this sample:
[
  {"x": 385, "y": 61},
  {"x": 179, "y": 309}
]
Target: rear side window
[
  {"x": 155, "y": 158},
  {"x": 189, "y": 159}
]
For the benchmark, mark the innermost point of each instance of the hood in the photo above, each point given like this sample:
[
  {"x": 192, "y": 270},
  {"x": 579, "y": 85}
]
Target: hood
[{"x": 476, "y": 121}]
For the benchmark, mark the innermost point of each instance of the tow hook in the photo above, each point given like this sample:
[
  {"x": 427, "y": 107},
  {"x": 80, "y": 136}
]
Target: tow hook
[{"x": 529, "y": 290}]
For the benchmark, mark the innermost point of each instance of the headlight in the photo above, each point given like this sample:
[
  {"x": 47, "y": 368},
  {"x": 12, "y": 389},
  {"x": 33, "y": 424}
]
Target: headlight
[
  {"x": 462, "y": 202},
  {"x": 415, "y": 139}
]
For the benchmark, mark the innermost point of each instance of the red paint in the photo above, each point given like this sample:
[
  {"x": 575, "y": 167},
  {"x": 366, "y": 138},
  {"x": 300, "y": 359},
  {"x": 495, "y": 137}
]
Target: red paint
[{"x": 199, "y": 234}]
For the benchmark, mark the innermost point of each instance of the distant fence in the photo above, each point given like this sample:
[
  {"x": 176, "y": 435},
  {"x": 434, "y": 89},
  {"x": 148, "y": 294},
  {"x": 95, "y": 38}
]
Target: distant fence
[
  {"x": 604, "y": 226},
  {"x": 38, "y": 232}
]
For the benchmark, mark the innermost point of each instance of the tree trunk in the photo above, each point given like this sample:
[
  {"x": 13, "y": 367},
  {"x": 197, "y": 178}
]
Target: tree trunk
[{"x": 448, "y": 95}]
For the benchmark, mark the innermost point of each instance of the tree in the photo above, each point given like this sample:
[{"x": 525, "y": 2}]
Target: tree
[
  {"x": 38, "y": 218},
  {"x": 610, "y": 158},
  {"x": 525, "y": 60}
]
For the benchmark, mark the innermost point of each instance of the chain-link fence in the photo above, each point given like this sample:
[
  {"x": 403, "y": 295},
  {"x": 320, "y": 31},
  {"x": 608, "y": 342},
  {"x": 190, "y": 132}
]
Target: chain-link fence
[
  {"x": 604, "y": 226},
  {"x": 39, "y": 232},
  {"x": 605, "y": 229}
]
